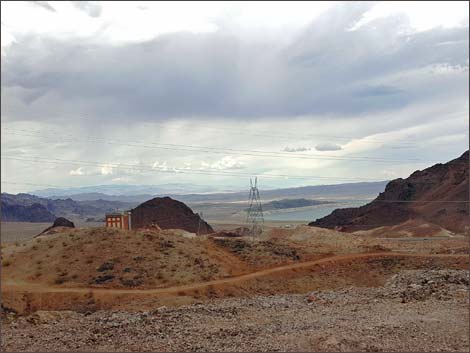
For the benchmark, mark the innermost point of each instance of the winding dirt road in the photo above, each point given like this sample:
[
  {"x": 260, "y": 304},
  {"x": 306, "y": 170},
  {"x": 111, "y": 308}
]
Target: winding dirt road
[{"x": 9, "y": 285}]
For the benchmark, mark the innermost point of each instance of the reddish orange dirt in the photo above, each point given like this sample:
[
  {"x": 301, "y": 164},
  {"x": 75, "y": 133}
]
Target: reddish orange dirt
[{"x": 324, "y": 273}]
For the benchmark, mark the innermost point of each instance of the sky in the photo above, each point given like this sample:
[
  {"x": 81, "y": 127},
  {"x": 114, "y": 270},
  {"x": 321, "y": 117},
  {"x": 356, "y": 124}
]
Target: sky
[{"x": 208, "y": 94}]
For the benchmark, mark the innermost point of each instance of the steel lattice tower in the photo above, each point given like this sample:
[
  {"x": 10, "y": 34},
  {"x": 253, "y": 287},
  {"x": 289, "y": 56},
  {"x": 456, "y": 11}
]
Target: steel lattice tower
[{"x": 255, "y": 211}]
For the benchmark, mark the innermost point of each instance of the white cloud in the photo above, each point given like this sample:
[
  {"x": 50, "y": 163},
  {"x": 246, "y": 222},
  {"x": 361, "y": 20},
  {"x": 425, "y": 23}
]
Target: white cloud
[
  {"x": 421, "y": 15},
  {"x": 107, "y": 170},
  {"x": 226, "y": 163},
  {"x": 160, "y": 166},
  {"x": 77, "y": 171},
  {"x": 121, "y": 180}
]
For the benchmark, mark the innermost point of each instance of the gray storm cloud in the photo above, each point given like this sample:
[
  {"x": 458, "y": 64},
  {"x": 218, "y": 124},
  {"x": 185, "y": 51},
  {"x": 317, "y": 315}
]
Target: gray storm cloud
[
  {"x": 328, "y": 147},
  {"x": 43, "y": 4},
  {"x": 327, "y": 70},
  {"x": 92, "y": 8}
]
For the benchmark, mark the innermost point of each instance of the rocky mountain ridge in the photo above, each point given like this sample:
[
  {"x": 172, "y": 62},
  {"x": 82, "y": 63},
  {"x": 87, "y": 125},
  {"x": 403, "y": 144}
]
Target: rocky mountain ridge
[{"x": 438, "y": 194}]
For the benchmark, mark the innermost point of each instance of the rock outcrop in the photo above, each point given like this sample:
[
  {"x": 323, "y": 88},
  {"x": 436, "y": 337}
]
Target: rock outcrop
[
  {"x": 59, "y": 222},
  {"x": 438, "y": 195},
  {"x": 167, "y": 213}
]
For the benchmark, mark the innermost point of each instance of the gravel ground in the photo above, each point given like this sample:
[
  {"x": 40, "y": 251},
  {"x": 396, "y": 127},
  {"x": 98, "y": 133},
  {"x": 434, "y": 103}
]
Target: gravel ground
[{"x": 414, "y": 311}]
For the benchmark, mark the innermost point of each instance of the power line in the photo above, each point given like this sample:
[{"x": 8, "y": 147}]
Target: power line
[
  {"x": 232, "y": 130},
  {"x": 219, "y": 150},
  {"x": 150, "y": 169},
  {"x": 172, "y": 170}
]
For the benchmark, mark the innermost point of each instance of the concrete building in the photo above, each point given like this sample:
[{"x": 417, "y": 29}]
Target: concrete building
[{"x": 119, "y": 220}]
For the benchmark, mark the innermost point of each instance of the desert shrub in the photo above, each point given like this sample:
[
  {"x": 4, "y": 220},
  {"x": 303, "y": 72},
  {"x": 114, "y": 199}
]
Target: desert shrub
[
  {"x": 60, "y": 280},
  {"x": 137, "y": 281},
  {"x": 102, "y": 279},
  {"x": 106, "y": 266},
  {"x": 35, "y": 247},
  {"x": 6, "y": 263}
]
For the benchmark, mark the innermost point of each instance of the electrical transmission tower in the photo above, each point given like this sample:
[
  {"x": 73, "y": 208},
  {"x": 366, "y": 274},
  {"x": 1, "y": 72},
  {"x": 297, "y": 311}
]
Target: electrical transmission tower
[{"x": 255, "y": 211}]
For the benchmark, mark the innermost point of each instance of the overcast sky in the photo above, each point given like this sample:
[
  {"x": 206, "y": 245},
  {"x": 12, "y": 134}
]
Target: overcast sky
[{"x": 209, "y": 93}]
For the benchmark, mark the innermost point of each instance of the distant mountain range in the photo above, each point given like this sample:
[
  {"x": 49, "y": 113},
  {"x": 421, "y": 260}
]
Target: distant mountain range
[
  {"x": 438, "y": 194},
  {"x": 79, "y": 205},
  {"x": 142, "y": 193},
  {"x": 14, "y": 212},
  {"x": 94, "y": 192},
  {"x": 31, "y": 208}
]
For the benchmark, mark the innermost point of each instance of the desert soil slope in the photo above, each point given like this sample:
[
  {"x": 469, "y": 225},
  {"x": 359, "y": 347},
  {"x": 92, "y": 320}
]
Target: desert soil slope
[
  {"x": 413, "y": 311},
  {"x": 108, "y": 289},
  {"x": 78, "y": 264}
]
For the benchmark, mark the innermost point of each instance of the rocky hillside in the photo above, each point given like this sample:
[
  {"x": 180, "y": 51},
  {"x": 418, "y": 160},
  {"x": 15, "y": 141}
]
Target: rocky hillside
[
  {"x": 29, "y": 208},
  {"x": 168, "y": 214},
  {"x": 438, "y": 195},
  {"x": 13, "y": 212}
]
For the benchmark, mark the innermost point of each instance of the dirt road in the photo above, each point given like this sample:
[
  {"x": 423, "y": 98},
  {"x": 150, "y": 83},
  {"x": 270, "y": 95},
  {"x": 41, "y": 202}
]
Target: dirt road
[{"x": 10, "y": 285}]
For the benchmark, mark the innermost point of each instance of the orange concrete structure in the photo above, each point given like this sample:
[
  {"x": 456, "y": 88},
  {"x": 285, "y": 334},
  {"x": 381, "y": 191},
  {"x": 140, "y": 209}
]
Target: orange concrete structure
[{"x": 118, "y": 220}]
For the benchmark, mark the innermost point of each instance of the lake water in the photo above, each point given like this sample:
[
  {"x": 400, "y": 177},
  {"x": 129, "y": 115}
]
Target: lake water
[{"x": 309, "y": 214}]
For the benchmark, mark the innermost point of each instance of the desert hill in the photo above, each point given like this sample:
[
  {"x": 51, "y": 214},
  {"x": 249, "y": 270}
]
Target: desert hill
[
  {"x": 168, "y": 214},
  {"x": 113, "y": 258},
  {"x": 438, "y": 194},
  {"x": 103, "y": 268}
]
